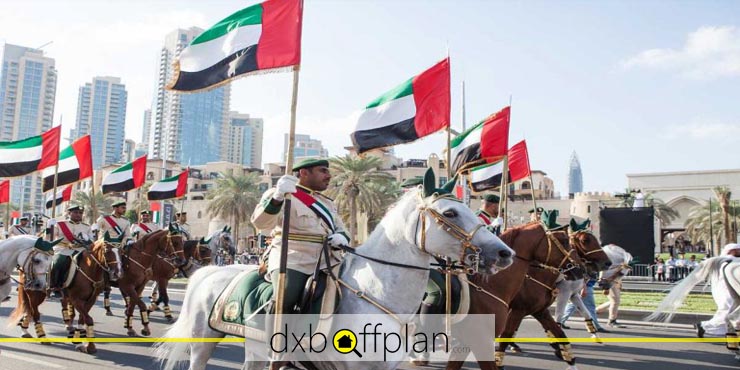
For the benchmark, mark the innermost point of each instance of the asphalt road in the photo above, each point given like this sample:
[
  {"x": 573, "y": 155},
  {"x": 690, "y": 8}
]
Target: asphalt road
[{"x": 676, "y": 356}]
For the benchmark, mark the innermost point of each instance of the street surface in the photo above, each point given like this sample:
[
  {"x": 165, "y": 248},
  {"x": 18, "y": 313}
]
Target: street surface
[{"x": 674, "y": 356}]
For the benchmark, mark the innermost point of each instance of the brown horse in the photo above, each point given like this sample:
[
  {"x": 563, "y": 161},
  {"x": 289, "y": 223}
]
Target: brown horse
[
  {"x": 539, "y": 292},
  {"x": 491, "y": 294},
  {"x": 137, "y": 267},
  {"x": 83, "y": 291},
  {"x": 196, "y": 255}
]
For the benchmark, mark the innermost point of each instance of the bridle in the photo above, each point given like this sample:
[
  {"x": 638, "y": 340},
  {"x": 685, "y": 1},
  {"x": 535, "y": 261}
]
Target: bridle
[
  {"x": 580, "y": 246},
  {"x": 26, "y": 268},
  {"x": 470, "y": 261},
  {"x": 561, "y": 267}
]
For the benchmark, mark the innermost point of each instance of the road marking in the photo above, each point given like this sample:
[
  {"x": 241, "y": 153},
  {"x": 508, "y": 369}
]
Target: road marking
[{"x": 6, "y": 353}]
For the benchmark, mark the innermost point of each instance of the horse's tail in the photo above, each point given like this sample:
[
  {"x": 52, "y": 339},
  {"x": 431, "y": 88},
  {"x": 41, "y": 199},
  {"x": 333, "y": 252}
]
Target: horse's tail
[
  {"x": 172, "y": 353},
  {"x": 673, "y": 301}
]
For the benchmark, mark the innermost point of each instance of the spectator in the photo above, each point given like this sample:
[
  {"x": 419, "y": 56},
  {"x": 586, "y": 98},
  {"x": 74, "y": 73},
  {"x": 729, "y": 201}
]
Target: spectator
[
  {"x": 681, "y": 268},
  {"x": 639, "y": 201},
  {"x": 692, "y": 264},
  {"x": 660, "y": 270},
  {"x": 612, "y": 304},
  {"x": 671, "y": 269}
]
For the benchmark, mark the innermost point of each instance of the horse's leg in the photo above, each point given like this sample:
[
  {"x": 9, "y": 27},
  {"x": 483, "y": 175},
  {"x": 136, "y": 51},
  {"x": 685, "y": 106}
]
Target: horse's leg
[
  {"x": 143, "y": 311},
  {"x": 153, "y": 298},
  {"x": 553, "y": 330},
  {"x": 165, "y": 298},
  {"x": 128, "y": 290},
  {"x": 35, "y": 300},
  {"x": 65, "y": 313},
  {"x": 106, "y": 296},
  {"x": 21, "y": 307},
  {"x": 587, "y": 318},
  {"x": 512, "y": 325}
]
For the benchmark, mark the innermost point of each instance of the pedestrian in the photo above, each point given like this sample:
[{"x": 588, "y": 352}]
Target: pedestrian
[
  {"x": 614, "y": 294},
  {"x": 660, "y": 270},
  {"x": 587, "y": 294},
  {"x": 717, "y": 325}
]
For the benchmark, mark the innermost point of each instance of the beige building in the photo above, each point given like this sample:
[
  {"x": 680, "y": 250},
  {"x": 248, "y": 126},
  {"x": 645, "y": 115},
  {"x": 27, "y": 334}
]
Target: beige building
[{"x": 244, "y": 142}]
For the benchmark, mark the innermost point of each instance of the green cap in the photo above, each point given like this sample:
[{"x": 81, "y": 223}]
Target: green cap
[
  {"x": 310, "y": 162},
  {"x": 118, "y": 203},
  {"x": 414, "y": 181},
  {"x": 491, "y": 198}
]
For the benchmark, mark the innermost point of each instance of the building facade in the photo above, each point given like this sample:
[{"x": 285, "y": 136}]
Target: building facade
[
  {"x": 305, "y": 147},
  {"x": 186, "y": 128},
  {"x": 147, "y": 126},
  {"x": 101, "y": 113},
  {"x": 129, "y": 151},
  {"x": 244, "y": 142},
  {"x": 28, "y": 82}
]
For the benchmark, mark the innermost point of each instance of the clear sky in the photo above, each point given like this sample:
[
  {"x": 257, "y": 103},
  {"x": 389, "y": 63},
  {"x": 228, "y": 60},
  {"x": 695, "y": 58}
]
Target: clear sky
[{"x": 631, "y": 86}]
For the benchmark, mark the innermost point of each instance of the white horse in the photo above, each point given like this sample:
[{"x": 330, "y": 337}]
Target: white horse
[
  {"x": 219, "y": 240},
  {"x": 411, "y": 232},
  {"x": 725, "y": 268},
  {"x": 570, "y": 290},
  {"x": 26, "y": 251}
]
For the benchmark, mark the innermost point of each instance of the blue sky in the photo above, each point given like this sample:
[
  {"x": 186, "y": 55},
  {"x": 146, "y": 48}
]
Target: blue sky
[{"x": 631, "y": 86}]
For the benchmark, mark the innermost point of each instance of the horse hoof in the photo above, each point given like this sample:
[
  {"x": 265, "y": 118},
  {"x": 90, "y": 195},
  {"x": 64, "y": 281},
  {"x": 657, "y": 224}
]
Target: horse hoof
[
  {"x": 131, "y": 333},
  {"x": 26, "y": 336},
  {"x": 146, "y": 332},
  {"x": 169, "y": 318},
  {"x": 108, "y": 313},
  {"x": 81, "y": 348},
  {"x": 516, "y": 350}
]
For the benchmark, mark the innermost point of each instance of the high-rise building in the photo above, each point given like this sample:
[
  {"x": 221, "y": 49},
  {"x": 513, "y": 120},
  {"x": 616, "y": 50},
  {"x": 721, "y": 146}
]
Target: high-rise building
[
  {"x": 147, "y": 127},
  {"x": 187, "y": 128},
  {"x": 244, "y": 145},
  {"x": 28, "y": 83},
  {"x": 575, "y": 176},
  {"x": 129, "y": 151},
  {"x": 305, "y": 147},
  {"x": 101, "y": 113}
]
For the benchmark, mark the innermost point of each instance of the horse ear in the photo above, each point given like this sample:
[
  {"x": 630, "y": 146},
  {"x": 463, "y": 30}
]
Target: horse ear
[
  {"x": 429, "y": 183},
  {"x": 573, "y": 225},
  {"x": 171, "y": 228},
  {"x": 586, "y": 224},
  {"x": 450, "y": 185},
  {"x": 56, "y": 242},
  {"x": 229, "y": 230},
  {"x": 202, "y": 241},
  {"x": 225, "y": 229}
]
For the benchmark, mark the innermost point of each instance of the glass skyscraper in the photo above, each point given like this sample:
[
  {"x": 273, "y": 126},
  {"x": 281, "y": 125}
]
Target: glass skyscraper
[
  {"x": 101, "y": 112},
  {"x": 575, "y": 176}
]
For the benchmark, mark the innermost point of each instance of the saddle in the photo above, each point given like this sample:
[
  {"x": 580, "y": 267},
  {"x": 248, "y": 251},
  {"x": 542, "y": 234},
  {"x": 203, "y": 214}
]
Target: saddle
[{"x": 65, "y": 265}]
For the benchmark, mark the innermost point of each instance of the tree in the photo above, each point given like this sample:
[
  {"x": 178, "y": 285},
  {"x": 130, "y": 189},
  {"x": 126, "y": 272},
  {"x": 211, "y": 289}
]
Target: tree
[
  {"x": 234, "y": 197},
  {"x": 698, "y": 225},
  {"x": 663, "y": 212},
  {"x": 142, "y": 203},
  {"x": 357, "y": 184},
  {"x": 102, "y": 203},
  {"x": 723, "y": 195}
]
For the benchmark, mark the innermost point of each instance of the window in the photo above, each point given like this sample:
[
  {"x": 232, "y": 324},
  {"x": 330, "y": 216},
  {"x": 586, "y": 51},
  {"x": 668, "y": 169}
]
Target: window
[{"x": 526, "y": 185}]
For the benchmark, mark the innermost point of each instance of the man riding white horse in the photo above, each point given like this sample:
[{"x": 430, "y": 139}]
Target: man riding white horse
[{"x": 313, "y": 219}]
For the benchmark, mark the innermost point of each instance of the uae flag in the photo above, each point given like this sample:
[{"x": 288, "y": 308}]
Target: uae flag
[
  {"x": 416, "y": 108},
  {"x": 171, "y": 187},
  {"x": 518, "y": 161},
  {"x": 62, "y": 196},
  {"x": 262, "y": 38},
  {"x": 4, "y": 191},
  {"x": 486, "y": 142},
  {"x": 127, "y": 177},
  {"x": 19, "y": 158},
  {"x": 486, "y": 177},
  {"x": 75, "y": 164}
]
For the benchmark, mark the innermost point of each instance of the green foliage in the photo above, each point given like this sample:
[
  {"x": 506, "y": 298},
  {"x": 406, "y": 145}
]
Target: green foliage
[
  {"x": 648, "y": 301},
  {"x": 94, "y": 206},
  {"x": 234, "y": 197},
  {"x": 131, "y": 215}
]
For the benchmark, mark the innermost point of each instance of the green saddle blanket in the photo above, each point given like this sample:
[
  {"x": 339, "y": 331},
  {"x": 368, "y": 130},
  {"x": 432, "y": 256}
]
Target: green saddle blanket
[{"x": 241, "y": 308}]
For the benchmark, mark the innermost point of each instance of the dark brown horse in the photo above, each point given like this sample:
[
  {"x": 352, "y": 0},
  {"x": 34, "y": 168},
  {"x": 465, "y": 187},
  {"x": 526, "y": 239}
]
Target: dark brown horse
[
  {"x": 88, "y": 282},
  {"x": 539, "y": 291},
  {"x": 196, "y": 254},
  {"x": 492, "y": 294},
  {"x": 137, "y": 271}
]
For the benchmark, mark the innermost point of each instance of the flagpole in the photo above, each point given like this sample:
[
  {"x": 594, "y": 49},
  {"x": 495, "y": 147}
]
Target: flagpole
[
  {"x": 503, "y": 204},
  {"x": 54, "y": 199},
  {"x": 531, "y": 182},
  {"x": 280, "y": 284},
  {"x": 7, "y": 212},
  {"x": 94, "y": 209}
]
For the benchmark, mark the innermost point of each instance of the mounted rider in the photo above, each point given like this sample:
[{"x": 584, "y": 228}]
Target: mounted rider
[
  {"x": 115, "y": 224},
  {"x": 75, "y": 235},
  {"x": 181, "y": 220},
  {"x": 488, "y": 213},
  {"x": 314, "y": 221},
  {"x": 144, "y": 226},
  {"x": 22, "y": 229}
]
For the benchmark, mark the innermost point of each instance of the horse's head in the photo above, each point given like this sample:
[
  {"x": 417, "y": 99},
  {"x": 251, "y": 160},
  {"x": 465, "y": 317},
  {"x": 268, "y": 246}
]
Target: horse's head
[
  {"x": 542, "y": 248},
  {"x": 202, "y": 253},
  {"x": 620, "y": 265},
  {"x": 109, "y": 255},
  {"x": 173, "y": 245},
  {"x": 442, "y": 226},
  {"x": 573, "y": 267},
  {"x": 588, "y": 247},
  {"x": 35, "y": 262}
]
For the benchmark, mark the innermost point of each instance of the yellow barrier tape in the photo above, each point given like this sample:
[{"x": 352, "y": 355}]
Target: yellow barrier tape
[{"x": 616, "y": 340}]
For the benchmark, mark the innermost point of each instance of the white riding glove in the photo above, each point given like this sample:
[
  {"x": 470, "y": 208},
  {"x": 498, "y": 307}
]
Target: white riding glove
[
  {"x": 337, "y": 240},
  {"x": 51, "y": 223},
  {"x": 285, "y": 184},
  {"x": 94, "y": 227}
]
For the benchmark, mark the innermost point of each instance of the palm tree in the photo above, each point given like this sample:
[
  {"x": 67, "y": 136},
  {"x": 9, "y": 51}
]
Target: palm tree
[
  {"x": 698, "y": 225},
  {"x": 93, "y": 206},
  {"x": 352, "y": 189},
  {"x": 142, "y": 203},
  {"x": 388, "y": 193},
  {"x": 233, "y": 198},
  {"x": 663, "y": 212},
  {"x": 723, "y": 195}
]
